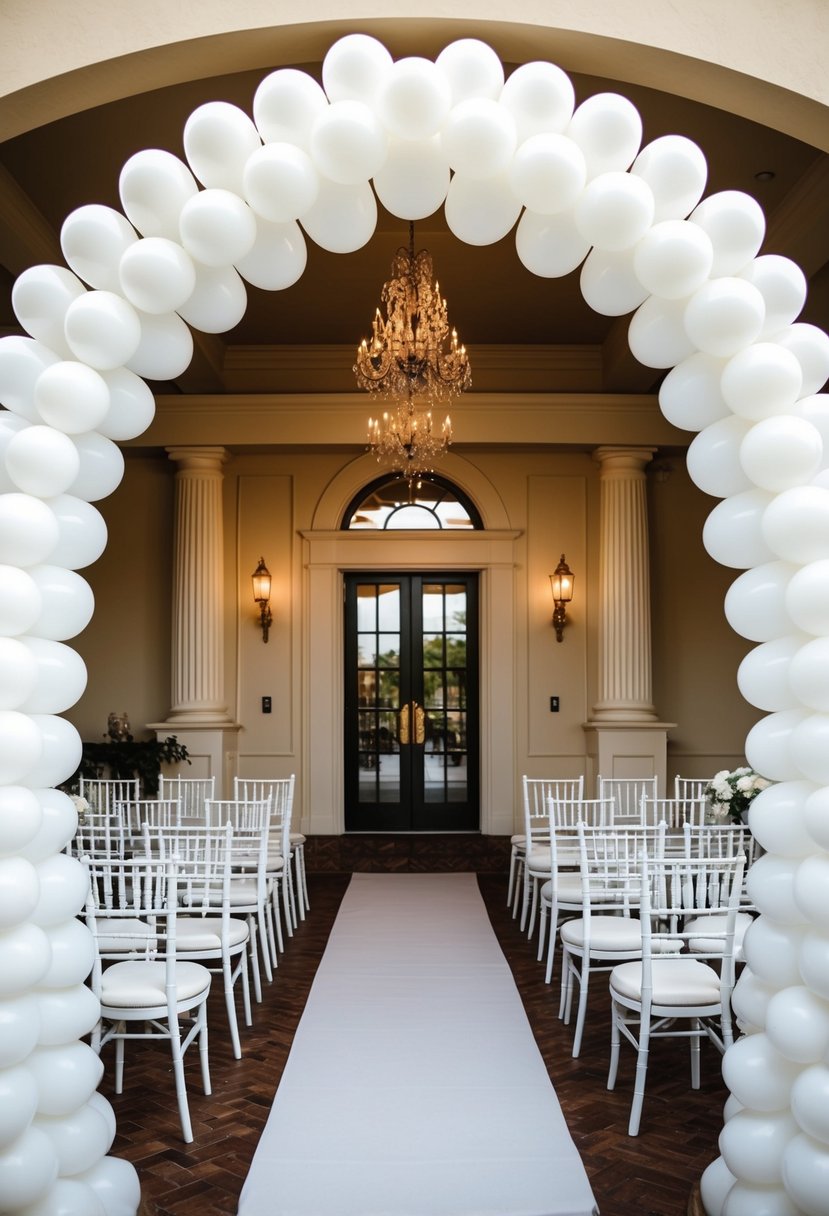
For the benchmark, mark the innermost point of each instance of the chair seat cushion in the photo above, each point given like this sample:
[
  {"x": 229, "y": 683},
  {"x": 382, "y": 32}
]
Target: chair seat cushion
[
  {"x": 676, "y": 981},
  {"x": 204, "y": 933},
  {"x": 275, "y": 862},
  {"x": 568, "y": 887},
  {"x": 611, "y": 933},
  {"x": 140, "y": 985},
  {"x": 123, "y": 935},
  {"x": 297, "y": 839},
  {"x": 715, "y": 923},
  {"x": 518, "y": 839}
]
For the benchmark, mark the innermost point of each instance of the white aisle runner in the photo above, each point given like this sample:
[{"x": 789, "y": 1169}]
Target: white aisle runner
[{"x": 414, "y": 1086}]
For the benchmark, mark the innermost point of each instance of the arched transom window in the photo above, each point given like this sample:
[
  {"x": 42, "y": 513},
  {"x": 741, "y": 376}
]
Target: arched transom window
[{"x": 391, "y": 503}]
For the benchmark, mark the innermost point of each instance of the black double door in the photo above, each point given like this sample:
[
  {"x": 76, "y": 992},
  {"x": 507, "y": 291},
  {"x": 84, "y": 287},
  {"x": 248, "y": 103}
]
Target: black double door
[{"x": 411, "y": 702}]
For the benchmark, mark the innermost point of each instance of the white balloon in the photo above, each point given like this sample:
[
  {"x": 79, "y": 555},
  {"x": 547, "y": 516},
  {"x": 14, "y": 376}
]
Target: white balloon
[
  {"x": 676, "y": 171},
  {"x": 761, "y": 381},
  {"x": 414, "y": 180},
  {"x": 115, "y": 1182},
  {"x": 809, "y": 674},
  {"x": 656, "y": 334},
  {"x": 66, "y": 1076},
  {"x": 750, "y": 998},
  {"x": 41, "y": 461},
  {"x": 715, "y": 1183},
  {"x": 18, "y": 1103},
  {"x": 217, "y": 227},
  {"x": 82, "y": 536},
  {"x": 66, "y": 603},
  {"x": 810, "y": 1102},
  {"x": 778, "y": 821},
  {"x": 752, "y": 1144},
  {"x": 21, "y": 362},
  {"x": 278, "y": 257},
  {"x": 80, "y": 1139},
  {"x": 472, "y": 69},
  {"x": 165, "y": 348},
  {"x": 783, "y": 287},
  {"x": 348, "y": 143},
  {"x": 102, "y": 329},
  {"x": 810, "y": 346},
  {"x": 28, "y": 1167},
  {"x": 354, "y": 68},
  {"x": 724, "y": 316},
  {"x": 479, "y": 138},
  {"x": 280, "y": 182},
  {"x": 673, "y": 259},
  {"x": 609, "y": 284},
  {"x": 414, "y": 98},
  {"x": 342, "y": 219},
  {"x": 807, "y": 597},
  {"x": 608, "y": 129},
  {"x": 810, "y": 748},
  {"x": 806, "y": 1174},
  {"x": 813, "y": 962},
  {"x": 550, "y": 245},
  {"x": 60, "y": 677},
  {"x": 763, "y": 675},
  {"x": 66, "y": 1014},
  {"x": 18, "y": 673},
  {"x": 285, "y": 105},
  {"x": 10, "y": 425},
  {"x": 41, "y": 297},
  {"x": 781, "y": 453},
  {"x": 548, "y": 173},
  {"x": 770, "y": 887},
  {"x": 18, "y": 891},
  {"x": 768, "y": 747},
  {"x": 816, "y": 818},
  {"x": 690, "y": 395},
  {"x": 93, "y": 239},
  {"x": 798, "y": 1025},
  {"x": 218, "y": 139},
  {"x": 58, "y": 824},
  {"x": 72, "y": 397},
  {"x": 757, "y": 1074},
  {"x": 614, "y": 211},
  {"x": 20, "y": 821},
  {"x": 101, "y": 467},
  {"x": 540, "y": 97},
  {"x": 131, "y": 405},
  {"x": 60, "y": 755},
  {"x": 72, "y": 953},
  {"x": 736, "y": 225},
  {"x": 20, "y": 1025},
  {"x": 154, "y": 186},
  {"x": 796, "y": 524},
  {"x": 218, "y": 300},
  {"x": 754, "y": 1199},
  {"x": 27, "y": 533},
  {"x": 20, "y": 601},
  {"x": 25, "y": 955},
  {"x": 815, "y": 409},
  {"x": 481, "y": 213},
  {"x": 63, "y": 884},
  {"x": 714, "y": 458},
  {"x": 156, "y": 274}
]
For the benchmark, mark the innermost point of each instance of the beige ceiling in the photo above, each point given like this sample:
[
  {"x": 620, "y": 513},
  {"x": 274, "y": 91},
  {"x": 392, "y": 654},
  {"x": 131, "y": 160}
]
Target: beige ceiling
[{"x": 557, "y": 343}]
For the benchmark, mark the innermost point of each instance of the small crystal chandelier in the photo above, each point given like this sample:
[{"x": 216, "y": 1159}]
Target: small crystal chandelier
[{"x": 415, "y": 362}]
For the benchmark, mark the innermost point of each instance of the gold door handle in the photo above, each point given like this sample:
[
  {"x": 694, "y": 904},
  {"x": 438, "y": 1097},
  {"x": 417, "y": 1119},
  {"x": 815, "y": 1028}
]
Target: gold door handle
[
  {"x": 420, "y": 722},
  {"x": 403, "y": 724}
]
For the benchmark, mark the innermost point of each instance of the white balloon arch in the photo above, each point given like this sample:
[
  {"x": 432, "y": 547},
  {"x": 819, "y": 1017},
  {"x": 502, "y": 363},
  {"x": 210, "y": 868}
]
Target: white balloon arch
[{"x": 746, "y": 375}]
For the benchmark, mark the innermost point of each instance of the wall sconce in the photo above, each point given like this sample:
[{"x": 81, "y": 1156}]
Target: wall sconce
[
  {"x": 261, "y": 579},
  {"x": 562, "y": 584}
]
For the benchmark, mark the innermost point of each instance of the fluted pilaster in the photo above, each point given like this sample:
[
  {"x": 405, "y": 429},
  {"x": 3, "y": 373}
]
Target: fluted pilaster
[{"x": 625, "y": 673}]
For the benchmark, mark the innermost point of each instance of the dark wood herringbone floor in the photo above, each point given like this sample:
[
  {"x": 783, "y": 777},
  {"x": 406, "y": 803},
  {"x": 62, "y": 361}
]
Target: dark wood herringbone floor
[{"x": 650, "y": 1175}]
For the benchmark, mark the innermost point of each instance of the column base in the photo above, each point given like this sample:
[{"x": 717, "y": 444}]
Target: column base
[
  {"x": 627, "y": 748},
  {"x": 212, "y": 746}
]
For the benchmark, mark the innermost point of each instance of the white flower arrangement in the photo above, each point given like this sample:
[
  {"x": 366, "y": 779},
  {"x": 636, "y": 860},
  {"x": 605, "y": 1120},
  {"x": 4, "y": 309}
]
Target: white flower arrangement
[{"x": 730, "y": 794}]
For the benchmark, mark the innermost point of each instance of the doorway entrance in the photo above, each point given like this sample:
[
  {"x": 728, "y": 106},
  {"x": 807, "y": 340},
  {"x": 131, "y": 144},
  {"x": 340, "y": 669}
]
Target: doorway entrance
[{"x": 411, "y": 745}]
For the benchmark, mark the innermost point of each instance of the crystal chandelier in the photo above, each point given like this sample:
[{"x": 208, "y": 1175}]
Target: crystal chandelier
[{"x": 415, "y": 362}]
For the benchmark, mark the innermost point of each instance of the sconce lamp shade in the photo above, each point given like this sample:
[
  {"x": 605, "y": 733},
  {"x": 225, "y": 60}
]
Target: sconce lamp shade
[
  {"x": 261, "y": 579},
  {"x": 561, "y": 582}
]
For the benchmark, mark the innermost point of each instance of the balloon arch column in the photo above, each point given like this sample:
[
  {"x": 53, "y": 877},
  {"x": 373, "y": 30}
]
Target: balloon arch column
[{"x": 746, "y": 376}]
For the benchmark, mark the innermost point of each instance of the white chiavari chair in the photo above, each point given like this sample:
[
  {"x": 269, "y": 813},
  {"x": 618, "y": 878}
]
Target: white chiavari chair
[
  {"x": 535, "y": 860},
  {"x": 564, "y": 815},
  {"x": 711, "y": 843},
  {"x": 153, "y": 812},
  {"x": 651, "y": 998},
  {"x": 627, "y": 794},
  {"x": 535, "y": 792},
  {"x": 280, "y": 790},
  {"x": 151, "y": 992},
  {"x": 190, "y": 792},
  {"x": 105, "y": 794}
]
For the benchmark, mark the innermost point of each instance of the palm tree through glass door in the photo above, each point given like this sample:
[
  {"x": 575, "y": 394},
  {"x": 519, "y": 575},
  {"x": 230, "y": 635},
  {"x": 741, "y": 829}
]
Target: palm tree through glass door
[{"x": 411, "y": 704}]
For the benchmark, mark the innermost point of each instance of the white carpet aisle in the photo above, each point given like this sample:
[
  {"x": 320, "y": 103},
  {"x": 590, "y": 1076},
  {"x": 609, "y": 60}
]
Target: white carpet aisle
[{"x": 414, "y": 1086}]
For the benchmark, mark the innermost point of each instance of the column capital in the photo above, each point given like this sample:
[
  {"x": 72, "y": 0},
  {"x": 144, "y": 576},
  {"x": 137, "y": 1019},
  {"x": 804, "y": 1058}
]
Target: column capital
[
  {"x": 198, "y": 459},
  {"x": 623, "y": 460}
]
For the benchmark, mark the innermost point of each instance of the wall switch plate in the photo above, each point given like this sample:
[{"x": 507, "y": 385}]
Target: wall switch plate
[
  {"x": 554, "y": 705},
  {"x": 266, "y": 705}
]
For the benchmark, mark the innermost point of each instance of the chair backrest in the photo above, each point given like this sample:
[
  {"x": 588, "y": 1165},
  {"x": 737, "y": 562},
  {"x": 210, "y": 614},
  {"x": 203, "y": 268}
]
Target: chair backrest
[
  {"x": 105, "y": 795},
  {"x": 537, "y": 793},
  {"x": 627, "y": 794},
  {"x": 610, "y": 866},
  {"x": 281, "y": 792},
  {"x": 157, "y": 812},
  {"x": 191, "y": 792},
  {"x": 242, "y": 813},
  {"x": 669, "y": 811},
  {"x": 203, "y": 856},
  {"x": 569, "y": 812},
  {"x": 718, "y": 840},
  {"x": 690, "y": 787}
]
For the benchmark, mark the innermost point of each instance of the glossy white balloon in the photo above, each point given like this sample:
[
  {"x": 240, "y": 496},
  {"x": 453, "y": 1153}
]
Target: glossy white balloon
[
  {"x": 781, "y": 453},
  {"x": 797, "y": 1024},
  {"x": 807, "y": 597},
  {"x": 342, "y": 219},
  {"x": 614, "y": 211},
  {"x": 752, "y": 1144},
  {"x": 28, "y": 1167},
  {"x": 102, "y": 329},
  {"x": 60, "y": 677},
  {"x": 609, "y": 284},
  {"x": 20, "y": 601},
  {"x": 769, "y": 745},
  {"x": 66, "y": 603},
  {"x": 80, "y": 1139},
  {"x": 156, "y": 274},
  {"x": 20, "y": 818},
  {"x": 18, "y": 891},
  {"x": 41, "y": 297},
  {"x": 810, "y": 1102},
  {"x": 472, "y": 69},
  {"x": 154, "y": 185},
  {"x": 715, "y": 1184},
  {"x": 131, "y": 405},
  {"x": 285, "y": 105},
  {"x": 60, "y": 752},
  {"x": 810, "y": 346},
  {"x": 549, "y": 245},
  {"x": 763, "y": 674},
  {"x": 18, "y": 673},
  {"x": 18, "y": 1103},
  {"x": 218, "y": 139},
  {"x": 217, "y": 228},
  {"x": 414, "y": 180},
  {"x": 73, "y": 954},
  {"x": 690, "y": 396},
  {"x": 713, "y": 458},
  {"x": 656, "y": 334},
  {"x": 354, "y": 68},
  {"x": 115, "y": 1182},
  {"x": 771, "y": 891},
  {"x": 280, "y": 182},
  {"x": 25, "y": 956},
  {"x": 676, "y": 171},
  {"x": 796, "y": 524},
  {"x": 57, "y": 825},
  {"x": 750, "y": 998},
  {"x": 757, "y": 1074},
  {"x": 82, "y": 534},
  {"x": 72, "y": 397},
  {"x": 41, "y": 461},
  {"x": 165, "y": 348},
  {"x": 673, "y": 259},
  {"x": 481, "y": 212},
  {"x": 93, "y": 239},
  {"x": 348, "y": 143},
  {"x": 101, "y": 467},
  {"x": 414, "y": 99},
  {"x": 778, "y": 821},
  {"x": 540, "y": 97},
  {"x": 754, "y": 1199},
  {"x": 19, "y": 1025},
  {"x": 783, "y": 287},
  {"x": 736, "y": 225},
  {"x": 278, "y": 257},
  {"x": 733, "y": 534},
  {"x": 608, "y": 129},
  {"x": 21, "y": 746},
  {"x": 63, "y": 883},
  {"x": 28, "y": 535},
  {"x": 806, "y": 1174},
  {"x": 66, "y": 1014},
  {"x": 21, "y": 362},
  {"x": 548, "y": 173},
  {"x": 724, "y": 315},
  {"x": 479, "y": 138},
  {"x": 66, "y": 1076},
  {"x": 218, "y": 300}
]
